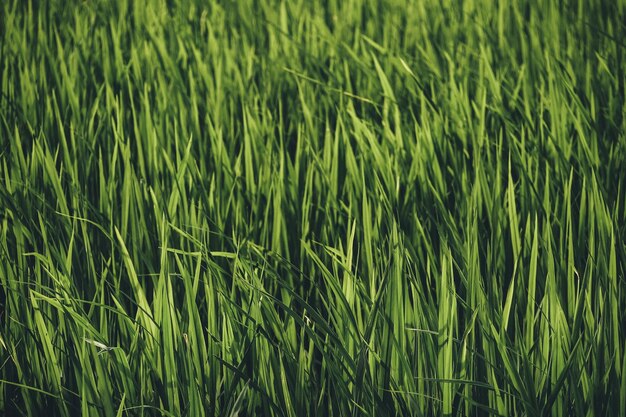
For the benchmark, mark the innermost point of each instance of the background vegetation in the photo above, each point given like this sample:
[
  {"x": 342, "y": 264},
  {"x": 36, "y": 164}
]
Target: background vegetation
[{"x": 333, "y": 208}]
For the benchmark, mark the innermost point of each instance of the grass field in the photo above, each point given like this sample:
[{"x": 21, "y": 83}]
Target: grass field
[{"x": 313, "y": 208}]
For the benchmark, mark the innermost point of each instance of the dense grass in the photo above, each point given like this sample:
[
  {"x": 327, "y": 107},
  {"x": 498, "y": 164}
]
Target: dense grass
[{"x": 298, "y": 208}]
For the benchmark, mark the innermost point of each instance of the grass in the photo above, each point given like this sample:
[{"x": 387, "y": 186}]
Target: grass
[{"x": 358, "y": 208}]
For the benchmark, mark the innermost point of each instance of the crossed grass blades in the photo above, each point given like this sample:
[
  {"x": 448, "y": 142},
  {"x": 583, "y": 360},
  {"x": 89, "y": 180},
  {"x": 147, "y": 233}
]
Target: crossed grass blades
[{"x": 356, "y": 208}]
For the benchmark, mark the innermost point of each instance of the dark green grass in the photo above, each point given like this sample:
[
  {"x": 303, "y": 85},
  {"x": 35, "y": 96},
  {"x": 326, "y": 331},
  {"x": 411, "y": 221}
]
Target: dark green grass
[{"x": 312, "y": 208}]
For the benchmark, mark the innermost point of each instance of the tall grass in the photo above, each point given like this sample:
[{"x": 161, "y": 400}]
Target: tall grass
[{"x": 300, "y": 208}]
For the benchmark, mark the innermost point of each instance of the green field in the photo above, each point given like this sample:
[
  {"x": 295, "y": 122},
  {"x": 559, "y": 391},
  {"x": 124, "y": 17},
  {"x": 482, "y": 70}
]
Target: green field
[{"x": 313, "y": 208}]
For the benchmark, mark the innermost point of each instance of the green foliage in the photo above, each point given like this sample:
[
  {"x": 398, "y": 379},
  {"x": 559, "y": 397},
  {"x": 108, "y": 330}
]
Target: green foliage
[{"x": 261, "y": 207}]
